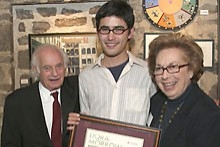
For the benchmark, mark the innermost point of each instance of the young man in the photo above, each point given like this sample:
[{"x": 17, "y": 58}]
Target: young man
[
  {"x": 118, "y": 85},
  {"x": 28, "y": 112}
]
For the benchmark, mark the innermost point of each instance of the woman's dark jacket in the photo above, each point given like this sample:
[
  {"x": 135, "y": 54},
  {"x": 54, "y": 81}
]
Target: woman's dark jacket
[{"x": 197, "y": 124}]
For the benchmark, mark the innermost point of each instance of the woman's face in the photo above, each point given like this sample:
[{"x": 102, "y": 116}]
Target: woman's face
[{"x": 172, "y": 84}]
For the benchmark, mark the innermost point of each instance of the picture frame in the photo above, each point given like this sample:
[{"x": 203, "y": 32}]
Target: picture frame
[
  {"x": 94, "y": 132},
  {"x": 207, "y": 46},
  {"x": 82, "y": 49},
  {"x": 148, "y": 37},
  {"x": 75, "y": 16}
]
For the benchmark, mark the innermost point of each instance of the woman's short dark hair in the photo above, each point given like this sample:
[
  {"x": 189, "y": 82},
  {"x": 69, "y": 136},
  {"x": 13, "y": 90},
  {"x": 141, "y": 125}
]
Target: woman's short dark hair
[{"x": 192, "y": 52}]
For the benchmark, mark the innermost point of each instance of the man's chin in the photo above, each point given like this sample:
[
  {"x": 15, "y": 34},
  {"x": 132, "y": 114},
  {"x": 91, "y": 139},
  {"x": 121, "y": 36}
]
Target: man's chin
[{"x": 55, "y": 86}]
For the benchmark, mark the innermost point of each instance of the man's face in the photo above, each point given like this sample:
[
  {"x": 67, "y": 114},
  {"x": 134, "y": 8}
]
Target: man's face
[
  {"x": 51, "y": 69},
  {"x": 114, "y": 44}
]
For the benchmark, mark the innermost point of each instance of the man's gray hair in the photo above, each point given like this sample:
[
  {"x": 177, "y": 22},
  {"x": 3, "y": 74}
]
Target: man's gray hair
[{"x": 35, "y": 69}]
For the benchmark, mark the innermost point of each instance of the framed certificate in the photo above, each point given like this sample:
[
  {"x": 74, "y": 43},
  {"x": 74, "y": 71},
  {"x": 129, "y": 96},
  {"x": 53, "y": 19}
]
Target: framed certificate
[{"x": 98, "y": 132}]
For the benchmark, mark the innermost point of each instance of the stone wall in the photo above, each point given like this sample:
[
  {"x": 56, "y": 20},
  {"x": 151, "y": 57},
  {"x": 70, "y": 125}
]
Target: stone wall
[
  {"x": 18, "y": 18},
  {"x": 46, "y": 19}
]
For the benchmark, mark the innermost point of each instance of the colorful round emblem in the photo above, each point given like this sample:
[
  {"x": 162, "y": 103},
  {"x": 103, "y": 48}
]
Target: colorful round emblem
[{"x": 170, "y": 14}]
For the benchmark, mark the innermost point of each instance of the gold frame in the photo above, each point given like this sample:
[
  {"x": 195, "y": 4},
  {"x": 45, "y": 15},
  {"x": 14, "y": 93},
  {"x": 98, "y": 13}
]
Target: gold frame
[{"x": 149, "y": 136}]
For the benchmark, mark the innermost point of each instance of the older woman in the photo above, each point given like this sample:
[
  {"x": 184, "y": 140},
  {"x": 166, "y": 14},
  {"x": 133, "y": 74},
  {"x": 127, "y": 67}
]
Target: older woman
[{"x": 185, "y": 114}]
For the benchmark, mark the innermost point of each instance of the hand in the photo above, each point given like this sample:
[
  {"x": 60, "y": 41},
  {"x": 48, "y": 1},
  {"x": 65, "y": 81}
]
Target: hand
[{"x": 73, "y": 120}]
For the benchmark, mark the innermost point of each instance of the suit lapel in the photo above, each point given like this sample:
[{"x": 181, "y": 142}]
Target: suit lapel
[
  {"x": 69, "y": 96},
  {"x": 65, "y": 108},
  {"x": 37, "y": 115}
]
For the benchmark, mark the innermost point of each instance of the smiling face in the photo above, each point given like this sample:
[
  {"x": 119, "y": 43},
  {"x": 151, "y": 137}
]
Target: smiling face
[
  {"x": 114, "y": 45},
  {"x": 51, "y": 69},
  {"x": 172, "y": 85}
]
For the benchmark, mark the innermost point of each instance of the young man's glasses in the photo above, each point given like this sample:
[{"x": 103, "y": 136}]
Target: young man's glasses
[
  {"x": 117, "y": 31},
  {"x": 170, "y": 69}
]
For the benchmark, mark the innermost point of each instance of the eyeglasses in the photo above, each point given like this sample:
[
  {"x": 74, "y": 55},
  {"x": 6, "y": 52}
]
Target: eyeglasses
[
  {"x": 117, "y": 31},
  {"x": 170, "y": 69}
]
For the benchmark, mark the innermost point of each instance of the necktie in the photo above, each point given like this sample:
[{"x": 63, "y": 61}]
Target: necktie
[{"x": 56, "y": 135}]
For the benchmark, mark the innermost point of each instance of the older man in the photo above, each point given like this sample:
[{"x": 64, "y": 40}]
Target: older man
[{"x": 33, "y": 115}]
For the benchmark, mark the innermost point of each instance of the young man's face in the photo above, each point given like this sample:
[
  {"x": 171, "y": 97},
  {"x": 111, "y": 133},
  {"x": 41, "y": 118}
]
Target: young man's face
[{"x": 114, "y": 44}]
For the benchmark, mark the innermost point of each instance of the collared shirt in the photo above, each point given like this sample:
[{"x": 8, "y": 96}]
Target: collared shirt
[
  {"x": 127, "y": 100},
  {"x": 47, "y": 103}
]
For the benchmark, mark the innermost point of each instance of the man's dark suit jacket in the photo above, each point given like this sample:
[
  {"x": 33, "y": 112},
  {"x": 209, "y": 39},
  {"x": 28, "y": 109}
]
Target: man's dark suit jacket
[
  {"x": 197, "y": 124},
  {"x": 23, "y": 121}
]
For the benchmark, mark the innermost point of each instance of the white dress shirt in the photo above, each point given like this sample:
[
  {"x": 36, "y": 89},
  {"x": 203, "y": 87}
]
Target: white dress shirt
[
  {"x": 127, "y": 100},
  {"x": 47, "y": 103}
]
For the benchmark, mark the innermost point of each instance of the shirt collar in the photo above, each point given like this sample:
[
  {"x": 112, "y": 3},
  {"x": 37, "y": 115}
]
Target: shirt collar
[
  {"x": 132, "y": 60},
  {"x": 45, "y": 93}
]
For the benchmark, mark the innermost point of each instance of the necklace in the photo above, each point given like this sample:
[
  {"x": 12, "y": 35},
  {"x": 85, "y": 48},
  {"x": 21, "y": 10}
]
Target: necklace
[{"x": 162, "y": 112}]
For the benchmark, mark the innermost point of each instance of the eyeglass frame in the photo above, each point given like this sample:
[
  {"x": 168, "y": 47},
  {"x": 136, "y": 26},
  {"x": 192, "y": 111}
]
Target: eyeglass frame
[
  {"x": 112, "y": 30},
  {"x": 168, "y": 68}
]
